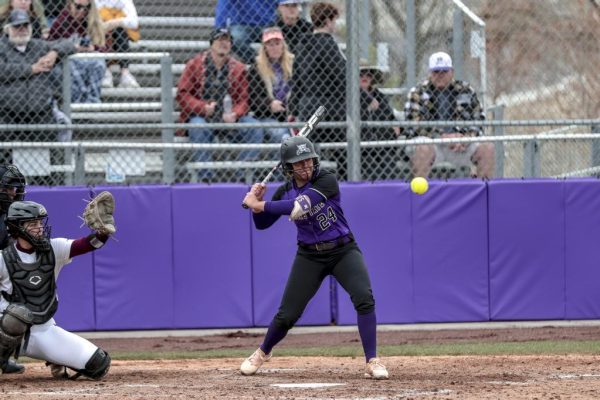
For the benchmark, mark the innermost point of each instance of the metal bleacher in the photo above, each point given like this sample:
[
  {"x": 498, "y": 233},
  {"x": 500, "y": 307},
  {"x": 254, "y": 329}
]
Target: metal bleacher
[{"x": 181, "y": 32}]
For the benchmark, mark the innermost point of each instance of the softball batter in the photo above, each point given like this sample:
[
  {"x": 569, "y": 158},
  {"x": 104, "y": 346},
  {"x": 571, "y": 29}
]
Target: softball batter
[
  {"x": 326, "y": 246},
  {"x": 29, "y": 267}
]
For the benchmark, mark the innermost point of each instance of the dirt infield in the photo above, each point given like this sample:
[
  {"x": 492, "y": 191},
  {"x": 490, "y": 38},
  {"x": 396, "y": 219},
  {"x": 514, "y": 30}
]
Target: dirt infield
[{"x": 452, "y": 377}]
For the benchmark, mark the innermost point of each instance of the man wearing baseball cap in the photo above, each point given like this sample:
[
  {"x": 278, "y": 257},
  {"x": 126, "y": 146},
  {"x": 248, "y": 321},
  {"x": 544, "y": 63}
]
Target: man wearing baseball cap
[
  {"x": 442, "y": 98},
  {"x": 219, "y": 33},
  {"x": 293, "y": 27},
  {"x": 213, "y": 88},
  {"x": 26, "y": 90}
]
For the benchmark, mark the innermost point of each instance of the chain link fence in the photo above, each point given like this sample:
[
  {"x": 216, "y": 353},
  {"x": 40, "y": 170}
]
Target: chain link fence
[{"x": 188, "y": 91}]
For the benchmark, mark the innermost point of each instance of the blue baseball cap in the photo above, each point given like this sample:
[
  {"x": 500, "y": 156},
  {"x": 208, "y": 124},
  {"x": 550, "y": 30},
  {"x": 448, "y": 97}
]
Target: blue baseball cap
[{"x": 18, "y": 17}]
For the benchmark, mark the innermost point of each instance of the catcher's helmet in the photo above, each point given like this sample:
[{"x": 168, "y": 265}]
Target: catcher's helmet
[
  {"x": 297, "y": 148},
  {"x": 10, "y": 178},
  {"x": 20, "y": 212}
]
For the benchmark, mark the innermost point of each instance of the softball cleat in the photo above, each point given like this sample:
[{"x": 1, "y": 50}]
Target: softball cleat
[
  {"x": 376, "y": 370},
  {"x": 253, "y": 363}
]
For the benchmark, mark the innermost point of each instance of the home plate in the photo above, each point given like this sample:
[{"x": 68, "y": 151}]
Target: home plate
[{"x": 306, "y": 385}]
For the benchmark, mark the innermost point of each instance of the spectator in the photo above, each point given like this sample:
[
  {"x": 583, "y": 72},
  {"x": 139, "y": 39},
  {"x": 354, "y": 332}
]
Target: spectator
[
  {"x": 293, "y": 27},
  {"x": 320, "y": 79},
  {"x": 214, "y": 88},
  {"x": 443, "y": 98},
  {"x": 121, "y": 24},
  {"x": 80, "y": 22},
  {"x": 26, "y": 96},
  {"x": 34, "y": 8},
  {"x": 374, "y": 106},
  {"x": 245, "y": 19},
  {"x": 269, "y": 82}
]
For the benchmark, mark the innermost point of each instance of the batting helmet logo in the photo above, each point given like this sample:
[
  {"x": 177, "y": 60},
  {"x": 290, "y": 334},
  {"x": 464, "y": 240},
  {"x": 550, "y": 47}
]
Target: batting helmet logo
[
  {"x": 35, "y": 280},
  {"x": 302, "y": 148}
]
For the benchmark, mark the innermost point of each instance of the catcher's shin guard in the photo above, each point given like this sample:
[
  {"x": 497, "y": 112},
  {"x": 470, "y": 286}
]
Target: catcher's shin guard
[
  {"x": 14, "y": 323},
  {"x": 98, "y": 365}
]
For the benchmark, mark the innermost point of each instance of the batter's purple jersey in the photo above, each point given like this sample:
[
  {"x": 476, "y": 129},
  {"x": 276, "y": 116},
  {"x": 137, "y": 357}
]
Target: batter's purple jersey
[{"x": 324, "y": 222}]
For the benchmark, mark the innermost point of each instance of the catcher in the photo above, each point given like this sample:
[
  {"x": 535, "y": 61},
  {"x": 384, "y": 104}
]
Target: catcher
[{"x": 29, "y": 268}]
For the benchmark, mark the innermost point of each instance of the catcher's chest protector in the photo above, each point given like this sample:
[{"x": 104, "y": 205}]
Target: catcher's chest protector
[{"x": 33, "y": 284}]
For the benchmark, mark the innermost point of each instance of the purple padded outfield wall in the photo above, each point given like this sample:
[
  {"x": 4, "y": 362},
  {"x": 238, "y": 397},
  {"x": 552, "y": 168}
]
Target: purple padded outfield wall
[
  {"x": 582, "y": 255},
  {"x": 76, "y": 298},
  {"x": 450, "y": 252},
  {"x": 188, "y": 256},
  {"x": 134, "y": 274},
  {"x": 380, "y": 221},
  {"x": 212, "y": 257},
  {"x": 527, "y": 249}
]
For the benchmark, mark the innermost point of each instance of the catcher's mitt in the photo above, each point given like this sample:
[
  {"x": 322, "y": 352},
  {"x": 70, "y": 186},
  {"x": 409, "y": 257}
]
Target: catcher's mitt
[{"x": 98, "y": 214}]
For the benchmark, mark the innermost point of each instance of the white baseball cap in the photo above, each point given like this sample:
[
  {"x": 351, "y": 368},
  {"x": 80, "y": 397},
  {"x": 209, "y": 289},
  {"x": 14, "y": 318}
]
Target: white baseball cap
[{"x": 440, "y": 61}]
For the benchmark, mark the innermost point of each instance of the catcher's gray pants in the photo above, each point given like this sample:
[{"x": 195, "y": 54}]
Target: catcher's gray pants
[{"x": 52, "y": 343}]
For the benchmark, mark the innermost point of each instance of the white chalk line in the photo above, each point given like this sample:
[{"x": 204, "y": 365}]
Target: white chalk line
[
  {"x": 314, "y": 385},
  {"x": 577, "y": 376}
]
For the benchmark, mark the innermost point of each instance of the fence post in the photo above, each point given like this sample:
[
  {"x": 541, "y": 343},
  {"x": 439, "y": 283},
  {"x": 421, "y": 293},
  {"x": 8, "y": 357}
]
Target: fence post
[
  {"x": 458, "y": 43},
  {"x": 498, "y": 115},
  {"x": 66, "y": 87},
  {"x": 595, "y": 147},
  {"x": 352, "y": 92},
  {"x": 166, "y": 97},
  {"x": 80, "y": 166},
  {"x": 365, "y": 22},
  {"x": 531, "y": 159},
  {"x": 411, "y": 40},
  {"x": 66, "y": 109}
]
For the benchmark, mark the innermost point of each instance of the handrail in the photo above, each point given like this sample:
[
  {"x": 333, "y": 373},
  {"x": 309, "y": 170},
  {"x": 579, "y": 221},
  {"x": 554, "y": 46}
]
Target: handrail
[
  {"x": 89, "y": 145},
  {"x": 119, "y": 56},
  {"x": 364, "y": 124},
  {"x": 177, "y": 21}
]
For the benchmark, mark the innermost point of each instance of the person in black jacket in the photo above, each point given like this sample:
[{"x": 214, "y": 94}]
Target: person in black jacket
[
  {"x": 374, "y": 106},
  {"x": 293, "y": 27},
  {"x": 320, "y": 80},
  {"x": 269, "y": 79}
]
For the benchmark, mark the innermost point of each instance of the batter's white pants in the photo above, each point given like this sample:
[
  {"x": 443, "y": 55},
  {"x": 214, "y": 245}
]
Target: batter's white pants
[{"x": 49, "y": 342}]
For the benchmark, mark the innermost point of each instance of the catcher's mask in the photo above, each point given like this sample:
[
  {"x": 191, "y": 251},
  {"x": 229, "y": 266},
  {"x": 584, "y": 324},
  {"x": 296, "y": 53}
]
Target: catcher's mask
[
  {"x": 11, "y": 179},
  {"x": 21, "y": 212},
  {"x": 297, "y": 148}
]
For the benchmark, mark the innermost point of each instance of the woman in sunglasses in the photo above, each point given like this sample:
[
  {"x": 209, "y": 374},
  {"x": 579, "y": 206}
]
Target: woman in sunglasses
[
  {"x": 34, "y": 8},
  {"x": 269, "y": 79},
  {"x": 80, "y": 22}
]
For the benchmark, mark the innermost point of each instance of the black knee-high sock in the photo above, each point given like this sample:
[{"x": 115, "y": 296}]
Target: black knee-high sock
[{"x": 274, "y": 335}]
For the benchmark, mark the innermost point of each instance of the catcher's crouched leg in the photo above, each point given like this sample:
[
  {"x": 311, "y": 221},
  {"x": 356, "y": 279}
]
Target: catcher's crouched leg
[
  {"x": 98, "y": 365},
  {"x": 14, "y": 323}
]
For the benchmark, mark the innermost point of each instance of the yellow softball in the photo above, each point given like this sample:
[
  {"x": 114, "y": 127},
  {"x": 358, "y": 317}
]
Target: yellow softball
[{"x": 419, "y": 185}]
